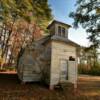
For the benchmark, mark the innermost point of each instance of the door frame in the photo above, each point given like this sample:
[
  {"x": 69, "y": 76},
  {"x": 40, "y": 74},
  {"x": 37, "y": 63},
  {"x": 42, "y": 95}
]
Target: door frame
[{"x": 67, "y": 76}]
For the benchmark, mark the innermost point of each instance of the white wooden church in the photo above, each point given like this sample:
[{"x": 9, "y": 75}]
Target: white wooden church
[{"x": 52, "y": 59}]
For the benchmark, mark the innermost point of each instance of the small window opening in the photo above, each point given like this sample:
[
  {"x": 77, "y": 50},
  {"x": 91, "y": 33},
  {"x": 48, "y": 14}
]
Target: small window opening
[
  {"x": 63, "y": 31},
  {"x": 71, "y": 58},
  {"x": 59, "y": 30}
]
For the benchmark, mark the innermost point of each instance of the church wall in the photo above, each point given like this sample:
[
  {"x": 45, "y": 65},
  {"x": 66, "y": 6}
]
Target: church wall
[
  {"x": 35, "y": 63},
  {"x": 61, "y": 51}
]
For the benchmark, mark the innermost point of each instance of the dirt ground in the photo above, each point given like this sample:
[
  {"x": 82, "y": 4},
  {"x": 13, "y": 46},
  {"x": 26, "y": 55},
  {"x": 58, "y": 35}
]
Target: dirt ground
[{"x": 12, "y": 89}]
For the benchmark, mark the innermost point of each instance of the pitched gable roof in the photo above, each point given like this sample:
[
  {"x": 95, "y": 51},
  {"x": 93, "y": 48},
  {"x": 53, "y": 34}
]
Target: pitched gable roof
[
  {"x": 45, "y": 39},
  {"x": 58, "y": 22}
]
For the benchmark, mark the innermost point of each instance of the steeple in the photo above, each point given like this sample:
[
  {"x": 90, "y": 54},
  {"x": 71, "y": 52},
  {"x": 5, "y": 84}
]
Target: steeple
[{"x": 59, "y": 29}]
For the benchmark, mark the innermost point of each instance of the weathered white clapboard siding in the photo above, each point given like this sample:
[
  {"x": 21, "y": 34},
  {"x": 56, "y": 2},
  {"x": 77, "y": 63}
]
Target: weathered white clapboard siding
[
  {"x": 31, "y": 78},
  {"x": 72, "y": 69},
  {"x": 31, "y": 64},
  {"x": 26, "y": 69},
  {"x": 28, "y": 75},
  {"x": 48, "y": 58},
  {"x": 47, "y": 53},
  {"x": 61, "y": 51}
]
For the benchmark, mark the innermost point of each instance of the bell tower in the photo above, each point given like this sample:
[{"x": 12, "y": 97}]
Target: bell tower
[{"x": 59, "y": 29}]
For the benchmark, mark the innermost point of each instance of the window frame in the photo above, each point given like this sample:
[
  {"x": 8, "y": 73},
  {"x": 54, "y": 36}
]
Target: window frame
[{"x": 61, "y": 31}]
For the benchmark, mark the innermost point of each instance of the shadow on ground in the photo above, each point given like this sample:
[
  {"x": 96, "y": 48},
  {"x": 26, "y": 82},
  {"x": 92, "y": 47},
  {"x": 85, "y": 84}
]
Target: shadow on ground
[{"x": 12, "y": 89}]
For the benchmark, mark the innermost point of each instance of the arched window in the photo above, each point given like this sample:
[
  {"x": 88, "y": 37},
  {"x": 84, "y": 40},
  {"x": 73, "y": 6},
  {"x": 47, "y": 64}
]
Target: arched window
[
  {"x": 59, "y": 30},
  {"x": 63, "y": 31}
]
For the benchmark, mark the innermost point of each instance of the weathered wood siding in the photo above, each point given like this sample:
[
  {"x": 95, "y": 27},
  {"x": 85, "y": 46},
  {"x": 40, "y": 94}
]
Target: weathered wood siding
[
  {"x": 35, "y": 63},
  {"x": 66, "y": 30},
  {"x": 60, "y": 51},
  {"x": 72, "y": 71},
  {"x": 43, "y": 62},
  {"x": 27, "y": 69}
]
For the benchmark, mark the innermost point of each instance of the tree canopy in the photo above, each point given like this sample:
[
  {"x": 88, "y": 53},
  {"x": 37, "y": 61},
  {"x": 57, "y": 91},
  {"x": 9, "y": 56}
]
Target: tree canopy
[
  {"x": 37, "y": 10},
  {"x": 87, "y": 15},
  {"x": 20, "y": 22}
]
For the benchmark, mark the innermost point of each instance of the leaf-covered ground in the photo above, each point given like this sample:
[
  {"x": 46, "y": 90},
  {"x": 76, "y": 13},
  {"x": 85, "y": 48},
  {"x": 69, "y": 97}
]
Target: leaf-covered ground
[{"x": 12, "y": 89}]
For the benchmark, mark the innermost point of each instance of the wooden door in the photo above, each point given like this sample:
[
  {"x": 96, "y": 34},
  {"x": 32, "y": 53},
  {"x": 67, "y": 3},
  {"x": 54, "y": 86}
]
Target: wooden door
[{"x": 63, "y": 70}]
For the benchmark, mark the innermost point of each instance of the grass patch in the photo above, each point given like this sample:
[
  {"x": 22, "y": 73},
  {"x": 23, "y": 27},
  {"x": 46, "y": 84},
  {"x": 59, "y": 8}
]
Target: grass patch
[{"x": 8, "y": 68}]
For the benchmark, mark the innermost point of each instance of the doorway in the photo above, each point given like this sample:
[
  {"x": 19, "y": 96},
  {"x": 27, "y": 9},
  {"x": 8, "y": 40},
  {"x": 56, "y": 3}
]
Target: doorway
[{"x": 63, "y": 70}]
